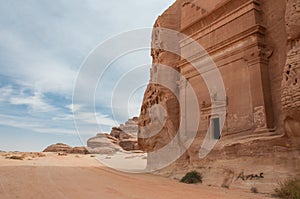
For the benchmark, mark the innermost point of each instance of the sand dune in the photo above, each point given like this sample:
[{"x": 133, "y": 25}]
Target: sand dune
[{"x": 77, "y": 177}]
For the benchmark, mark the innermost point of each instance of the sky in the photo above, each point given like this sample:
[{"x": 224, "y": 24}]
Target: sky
[{"x": 43, "y": 46}]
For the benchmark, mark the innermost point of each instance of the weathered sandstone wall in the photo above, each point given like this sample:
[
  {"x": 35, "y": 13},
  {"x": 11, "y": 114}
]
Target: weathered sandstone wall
[
  {"x": 291, "y": 77},
  {"x": 255, "y": 46},
  {"x": 156, "y": 94}
]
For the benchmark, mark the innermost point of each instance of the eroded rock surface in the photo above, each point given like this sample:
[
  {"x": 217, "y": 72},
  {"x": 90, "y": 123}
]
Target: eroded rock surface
[
  {"x": 60, "y": 147},
  {"x": 126, "y": 135},
  {"x": 123, "y": 137},
  {"x": 247, "y": 40},
  {"x": 291, "y": 78},
  {"x": 160, "y": 108},
  {"x": 102, "y": 144},
  {"x": 79, "y": 150}
]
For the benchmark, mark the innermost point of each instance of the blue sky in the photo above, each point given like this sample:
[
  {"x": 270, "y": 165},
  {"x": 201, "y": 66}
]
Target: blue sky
[{"x": 42, "y": 46}]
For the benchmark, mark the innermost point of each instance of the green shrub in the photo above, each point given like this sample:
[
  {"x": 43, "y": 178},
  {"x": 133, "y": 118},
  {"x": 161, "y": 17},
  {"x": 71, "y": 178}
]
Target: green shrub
[
  {"x": 289, "y": 189},
  {"x": 192, "y": 177}
]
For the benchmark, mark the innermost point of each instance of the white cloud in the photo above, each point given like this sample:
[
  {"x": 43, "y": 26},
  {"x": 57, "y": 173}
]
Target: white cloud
[
  {"x": 85, "y": 117},
  {"x": 74, "y": 107},
  {"x": 63, "y": 117},
  {"x": 94, "y": 119},
  {"x": 6, "y": 92},
  {"x": 35, "y": 102},
  {"x": 36, "y": 68},
  {"x": 105, "y": 120},
  {"x": 30, "y": 124}
]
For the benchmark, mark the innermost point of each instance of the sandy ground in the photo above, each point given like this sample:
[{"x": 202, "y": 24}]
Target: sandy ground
[{"x": 81, "y": 176}]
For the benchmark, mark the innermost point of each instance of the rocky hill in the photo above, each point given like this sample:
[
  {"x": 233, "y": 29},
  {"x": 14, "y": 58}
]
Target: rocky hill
[{"x": 60, "y": 147}]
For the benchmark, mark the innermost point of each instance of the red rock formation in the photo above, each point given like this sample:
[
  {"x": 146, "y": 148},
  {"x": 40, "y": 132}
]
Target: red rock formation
[
  {"x": 124, "y": 136},
  {"x": 60, "y": 147},
  {"x": 291, "y": 77},
  {"x": 246, "y": 39},
  {"x": 158, "y": 94},
  {"x": 79, "y": 150}
]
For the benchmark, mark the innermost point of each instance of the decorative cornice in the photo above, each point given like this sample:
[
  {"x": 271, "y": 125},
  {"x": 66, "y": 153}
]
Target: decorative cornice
[
  {"x": 230, "y": 41},
  {"x": 222, "y": 11},
  {"x": 261, "y": 55}
]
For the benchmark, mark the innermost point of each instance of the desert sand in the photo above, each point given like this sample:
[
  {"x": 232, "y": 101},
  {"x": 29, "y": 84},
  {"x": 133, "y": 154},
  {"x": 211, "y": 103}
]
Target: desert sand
[{"x": 82, "y": 176}]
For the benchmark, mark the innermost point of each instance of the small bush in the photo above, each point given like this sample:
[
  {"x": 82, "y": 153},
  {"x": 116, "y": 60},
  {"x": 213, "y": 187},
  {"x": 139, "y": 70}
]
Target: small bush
[
  {"x": 14, "y": 157},
  {"x": 254, "y": 190},
  {"x": 192, "y": 177},
  {"x": 41, "y": 155},
  {"x": 225, "y": 186},
  {"x": 289, "y": 189}
]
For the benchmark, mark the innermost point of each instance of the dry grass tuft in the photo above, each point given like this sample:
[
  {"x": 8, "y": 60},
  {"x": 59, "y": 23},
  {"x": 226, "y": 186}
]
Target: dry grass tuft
[{"x": 290, "y": 189}]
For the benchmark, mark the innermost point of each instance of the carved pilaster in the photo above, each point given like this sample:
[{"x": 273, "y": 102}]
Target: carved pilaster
[
  {"x": 182, "y": 84},
  {"x": 258, "y": 63}
]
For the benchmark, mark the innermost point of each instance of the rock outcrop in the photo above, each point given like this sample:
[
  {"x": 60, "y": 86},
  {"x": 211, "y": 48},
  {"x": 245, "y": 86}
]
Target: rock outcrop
[
  {"x": 126, "y": 135},
  {"x": 102, "y": 144},
  {"x": 246, "y": 40},
  {"x": 291, "y": 78},
  {"x": 130, "y": 127},
  {"x": 60, "y": 147},
  {"x": 79, "y": 150},
  {"x": 123, "y": 137},
  {"x": 158, "y": 97}
]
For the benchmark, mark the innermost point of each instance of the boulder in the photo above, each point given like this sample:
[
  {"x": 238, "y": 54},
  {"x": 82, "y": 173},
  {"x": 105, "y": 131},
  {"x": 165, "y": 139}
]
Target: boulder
[
  {"x": 129, "y": 145},
  {"x": 119, "y": 134},
  {"x": 59, "y": 147},
  {"x": 102, "y": 144},
  {"x": 79, "y": 150}
]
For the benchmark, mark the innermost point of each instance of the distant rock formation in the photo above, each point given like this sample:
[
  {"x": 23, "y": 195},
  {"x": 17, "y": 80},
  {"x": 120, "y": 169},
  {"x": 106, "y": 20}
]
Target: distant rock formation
[
  {"x": 130, "y": 127},
  {"x": 126, "y": 134},
  {"x": 60, "y": 147},
  {"x": 79, "y": 150},
  {"x": 123, "y": 137},
  {"x": 102, "y": 144}
]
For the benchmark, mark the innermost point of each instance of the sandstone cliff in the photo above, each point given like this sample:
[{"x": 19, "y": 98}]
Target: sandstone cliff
[
  {"x": 291, "y": 77},
  {"x": 246, "y": 39},
  {"x": 156, "y": 94}
]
